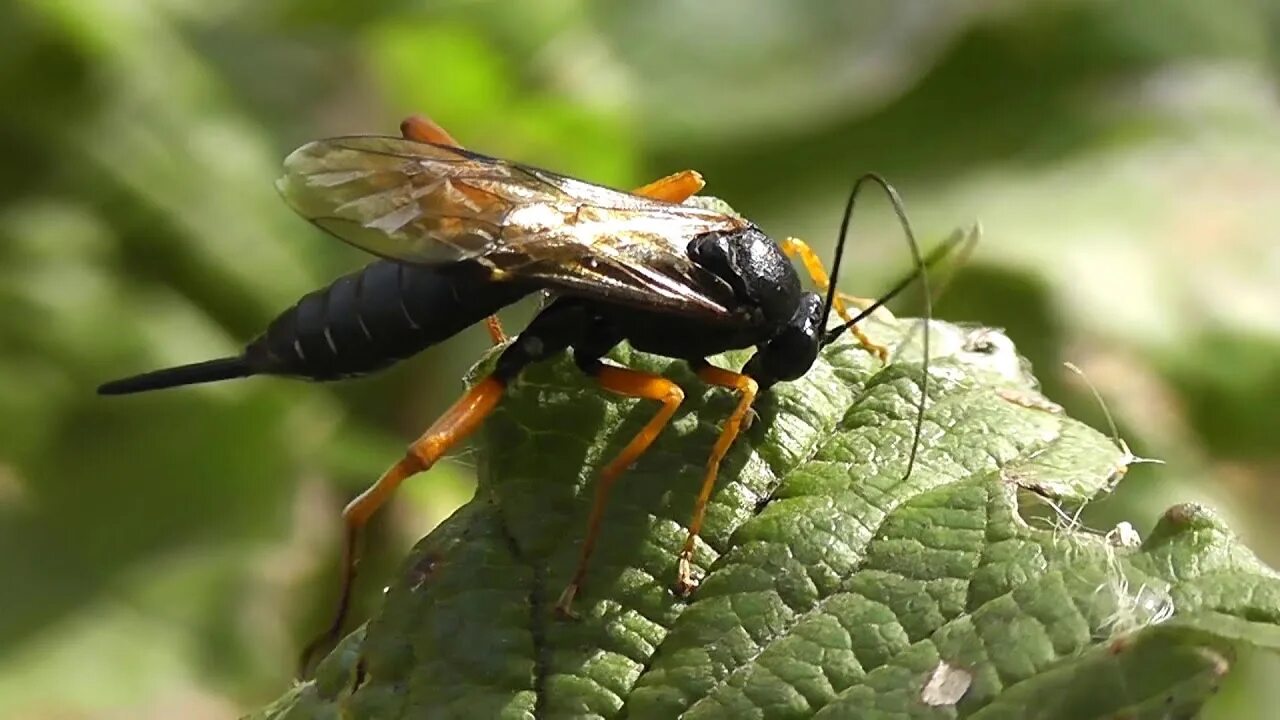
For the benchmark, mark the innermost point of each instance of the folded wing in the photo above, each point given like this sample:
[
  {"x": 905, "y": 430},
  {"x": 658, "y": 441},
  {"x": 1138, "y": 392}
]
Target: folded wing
[{"x": 433, "y": 205}]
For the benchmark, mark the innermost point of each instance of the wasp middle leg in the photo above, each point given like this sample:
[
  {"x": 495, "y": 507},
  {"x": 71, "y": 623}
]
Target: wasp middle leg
[
  {"x": 631, "y": 383},
  {"x": 550, "y": 333}
]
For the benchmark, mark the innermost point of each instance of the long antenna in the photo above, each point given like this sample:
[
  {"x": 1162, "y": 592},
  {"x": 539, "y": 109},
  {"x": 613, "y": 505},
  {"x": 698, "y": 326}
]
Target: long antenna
[
  {"x": 921, "y": 270},
  {"x": 970, "y": 241},
  {"x": 839, "y": 258},
  {"x": 965, "y": 241}
]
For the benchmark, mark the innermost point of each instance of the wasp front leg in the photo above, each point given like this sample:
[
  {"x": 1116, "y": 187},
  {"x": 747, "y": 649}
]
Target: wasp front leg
[{"x": 797, "y": 248}]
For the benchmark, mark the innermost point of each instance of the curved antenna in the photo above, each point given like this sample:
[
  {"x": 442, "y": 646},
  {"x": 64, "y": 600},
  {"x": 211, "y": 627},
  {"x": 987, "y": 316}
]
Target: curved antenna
[
  {"x": 962, "y": 240},
  {"x": 920, "y": 269},
  {"x": 967, "y": 240}
]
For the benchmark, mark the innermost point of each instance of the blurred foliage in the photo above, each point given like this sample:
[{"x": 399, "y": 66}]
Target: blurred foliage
[{"x": 166, "y": 555}]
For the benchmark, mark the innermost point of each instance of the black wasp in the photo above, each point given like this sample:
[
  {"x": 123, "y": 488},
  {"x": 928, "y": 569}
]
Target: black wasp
[{"x": 463, "y": 235}]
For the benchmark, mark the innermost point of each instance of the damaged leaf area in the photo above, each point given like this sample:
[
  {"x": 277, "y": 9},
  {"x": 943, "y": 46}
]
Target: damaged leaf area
[{"x": 832, "y": 587}]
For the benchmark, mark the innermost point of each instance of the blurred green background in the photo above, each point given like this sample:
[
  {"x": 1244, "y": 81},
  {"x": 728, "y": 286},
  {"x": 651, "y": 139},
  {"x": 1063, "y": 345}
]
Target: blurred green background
[{"x": 166, "y": 555}]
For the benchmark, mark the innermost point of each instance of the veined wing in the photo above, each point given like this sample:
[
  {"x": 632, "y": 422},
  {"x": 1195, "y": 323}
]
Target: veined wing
[{"x": 432, "y": 205}]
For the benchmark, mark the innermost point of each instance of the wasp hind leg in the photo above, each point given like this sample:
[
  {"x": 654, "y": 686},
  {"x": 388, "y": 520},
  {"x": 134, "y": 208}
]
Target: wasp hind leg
[
  {"x": 797, "y": 248},
  {"x": 456, "y": 423},
  {"x": 420, "y": 128},
  {"x": 631, "y": 383},
  {"x": 551, "y": 332},
  {"x": 747, "y": 389}
]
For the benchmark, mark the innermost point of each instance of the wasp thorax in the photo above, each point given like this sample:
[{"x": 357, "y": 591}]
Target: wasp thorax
[{"x": 755, "y": 267}]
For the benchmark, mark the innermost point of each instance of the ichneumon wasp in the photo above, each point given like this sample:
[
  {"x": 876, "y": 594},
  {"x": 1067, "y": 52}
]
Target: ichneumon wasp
[{"x": 462, "y": 235}]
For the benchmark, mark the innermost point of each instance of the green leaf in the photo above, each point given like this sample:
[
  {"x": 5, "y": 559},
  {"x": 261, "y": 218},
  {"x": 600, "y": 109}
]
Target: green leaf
[{"x": 834, "y": 587}]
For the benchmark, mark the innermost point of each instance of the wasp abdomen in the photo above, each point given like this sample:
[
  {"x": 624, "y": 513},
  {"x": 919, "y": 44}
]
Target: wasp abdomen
[{"x": 369, "y": 319}]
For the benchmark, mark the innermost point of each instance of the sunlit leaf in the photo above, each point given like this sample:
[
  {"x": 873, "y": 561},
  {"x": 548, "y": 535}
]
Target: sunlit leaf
[{"x": 834, "y": 586}]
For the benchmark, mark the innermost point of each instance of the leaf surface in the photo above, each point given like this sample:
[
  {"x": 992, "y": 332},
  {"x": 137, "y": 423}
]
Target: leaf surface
[{"x": 834, "y": 587}]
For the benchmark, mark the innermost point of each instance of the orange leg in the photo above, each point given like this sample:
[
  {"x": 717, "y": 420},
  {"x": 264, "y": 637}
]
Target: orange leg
[
  {"x": 747, "y": 389},
  {"x": 794, "y": 247},
  {"x": 494, "y": 326},
  {"x": 457, "y": 422},
  {"x": 676, "y": 187},
  {"x": 631, "y": 383},
  {"x": 423, "y": 129}
]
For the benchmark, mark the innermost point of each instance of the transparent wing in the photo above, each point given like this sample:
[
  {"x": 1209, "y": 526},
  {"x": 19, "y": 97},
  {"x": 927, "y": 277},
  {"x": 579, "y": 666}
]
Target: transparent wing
[{"x": 432, "y": 205}]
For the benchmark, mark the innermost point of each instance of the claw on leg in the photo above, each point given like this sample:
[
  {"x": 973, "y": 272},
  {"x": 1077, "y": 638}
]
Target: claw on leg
[
  {"x": 870, "y": 345},
  {"x": 686, "y": 582},
  {"x": 564, "y": 605}
]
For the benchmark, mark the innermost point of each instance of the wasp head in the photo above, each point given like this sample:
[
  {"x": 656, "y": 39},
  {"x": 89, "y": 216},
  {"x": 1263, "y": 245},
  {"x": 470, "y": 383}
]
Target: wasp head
[{"x": 792, "y": 351}]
